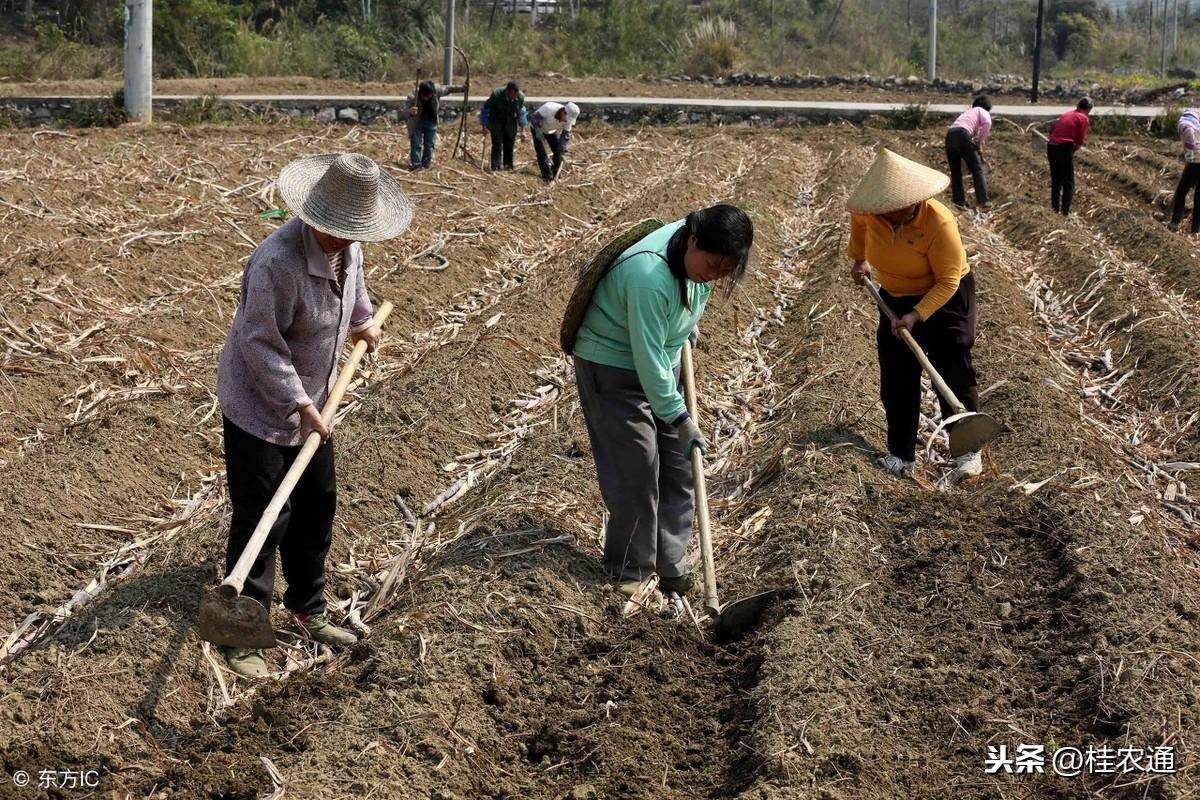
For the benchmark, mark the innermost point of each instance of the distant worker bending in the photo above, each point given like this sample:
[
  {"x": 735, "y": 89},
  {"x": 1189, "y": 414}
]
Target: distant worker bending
[
  {"x": 551, "y": 126},
  {"x": 503, "y": 116},
  {"x": 1067, "y": 135},
  {"x": 964, "y": 142}
]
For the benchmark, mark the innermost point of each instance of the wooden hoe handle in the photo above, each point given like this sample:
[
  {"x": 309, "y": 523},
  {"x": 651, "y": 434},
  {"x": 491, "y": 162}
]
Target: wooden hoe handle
[{"x": 702, "y": 520}]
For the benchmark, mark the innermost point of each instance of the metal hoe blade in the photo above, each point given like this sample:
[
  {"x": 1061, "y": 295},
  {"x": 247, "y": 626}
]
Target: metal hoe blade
[
  {"x": 230, "y": 619},
  {"x": 740, "y": 616},
  {"x": 971, "y": 432}
]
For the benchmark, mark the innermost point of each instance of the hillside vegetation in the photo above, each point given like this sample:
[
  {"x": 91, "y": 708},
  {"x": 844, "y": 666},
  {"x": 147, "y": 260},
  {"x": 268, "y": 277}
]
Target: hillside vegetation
[{"x": 389, "y": 39}]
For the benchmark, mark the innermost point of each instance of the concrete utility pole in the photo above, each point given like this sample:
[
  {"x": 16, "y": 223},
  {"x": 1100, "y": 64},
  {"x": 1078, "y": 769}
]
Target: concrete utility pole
[
  {"x": 1037, "y": 50},
  {"x": 1175, "y": 27},
  {"x": 931, "y": 64},
  {"x": 448, "y": 62},
  {"x": 139, "y": 59},
  {"x": 1162, "y": 66}
]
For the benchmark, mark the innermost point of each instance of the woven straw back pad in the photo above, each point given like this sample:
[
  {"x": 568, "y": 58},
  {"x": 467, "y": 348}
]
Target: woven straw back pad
[{"x": 590, "y": 275}]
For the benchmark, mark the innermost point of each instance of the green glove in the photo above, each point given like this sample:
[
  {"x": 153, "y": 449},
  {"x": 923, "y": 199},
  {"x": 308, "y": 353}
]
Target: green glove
[{"x": 690, "y": 435}]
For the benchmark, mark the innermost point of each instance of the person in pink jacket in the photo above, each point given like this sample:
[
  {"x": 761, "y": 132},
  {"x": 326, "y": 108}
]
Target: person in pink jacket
[
  {"x": 1189, "y": 181},
  {"x": 964, "y": 142}
]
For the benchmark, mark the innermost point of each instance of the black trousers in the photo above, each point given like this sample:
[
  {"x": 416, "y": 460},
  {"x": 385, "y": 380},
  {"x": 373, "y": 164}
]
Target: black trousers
[
  {"x": 947, "y": 338},
  {"x": 554, "y": 144},
  {"x": 1062, "y": 175},
  {"x": 960, "y": 148},
  {"x": 304, "y": 530},
  {"x": 1189, "y": 181},
  {"x": 503, "y": 140}
]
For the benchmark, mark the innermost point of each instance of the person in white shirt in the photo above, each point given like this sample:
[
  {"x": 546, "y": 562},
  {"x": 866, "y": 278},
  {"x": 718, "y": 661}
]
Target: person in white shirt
[{"x": 552, "y": 125}]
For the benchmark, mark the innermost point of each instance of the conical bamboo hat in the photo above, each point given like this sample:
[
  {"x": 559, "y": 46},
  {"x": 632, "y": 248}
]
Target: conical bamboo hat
[{"x": 894, "y": 182}]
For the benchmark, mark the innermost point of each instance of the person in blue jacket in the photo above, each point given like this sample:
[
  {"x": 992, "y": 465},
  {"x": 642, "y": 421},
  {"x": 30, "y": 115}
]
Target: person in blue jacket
[{"x": 627, "y": 368}]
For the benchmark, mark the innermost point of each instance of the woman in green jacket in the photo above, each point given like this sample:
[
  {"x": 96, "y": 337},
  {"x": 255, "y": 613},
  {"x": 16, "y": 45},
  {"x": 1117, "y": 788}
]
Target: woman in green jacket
[{"x": 627, "y": 367}]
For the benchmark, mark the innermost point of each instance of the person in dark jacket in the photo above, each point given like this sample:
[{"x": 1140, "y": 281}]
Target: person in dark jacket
[
  {"x": 1067, "y": 135},
  {"x": 422, "y": 125},
  {"x": 504, "y": 117}
]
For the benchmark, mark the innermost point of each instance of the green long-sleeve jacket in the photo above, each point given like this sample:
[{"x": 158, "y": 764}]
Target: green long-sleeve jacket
[
  {"x": 637, "y": 321},
  {"x": 501, "y": 113}
]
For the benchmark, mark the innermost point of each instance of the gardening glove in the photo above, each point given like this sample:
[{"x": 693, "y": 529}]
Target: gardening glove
[
  {"x": 694, "y": 337},
  {"x": 690, "y": 435}
]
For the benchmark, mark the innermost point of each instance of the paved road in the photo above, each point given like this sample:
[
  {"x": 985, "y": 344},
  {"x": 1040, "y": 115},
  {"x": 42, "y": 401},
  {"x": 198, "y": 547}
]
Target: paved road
[{"x": 799, "y": 107}]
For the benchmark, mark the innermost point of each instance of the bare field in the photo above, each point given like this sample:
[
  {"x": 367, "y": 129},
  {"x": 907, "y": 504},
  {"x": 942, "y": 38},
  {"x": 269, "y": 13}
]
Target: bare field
[{"x": 1052, "y": 600}]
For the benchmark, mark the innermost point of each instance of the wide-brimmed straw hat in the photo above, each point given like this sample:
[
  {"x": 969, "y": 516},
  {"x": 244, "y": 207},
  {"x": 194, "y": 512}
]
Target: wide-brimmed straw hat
[
  {"x": 894, "y": 182},
  {"x": 346, "y": 195}
]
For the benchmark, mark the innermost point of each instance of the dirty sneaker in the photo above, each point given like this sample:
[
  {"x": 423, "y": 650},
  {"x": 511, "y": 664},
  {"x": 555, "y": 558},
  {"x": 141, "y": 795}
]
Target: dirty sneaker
[
  {"x": 629, "y": 588},
  {"x": 641, "y": 595},
  {"x": 246, "y": 662},
  {"x": 679, "y": 585},
  {"x": 968, "y": 464},
  {"x": 896, "y": 465},
  {"x": 320, "y": 629}
]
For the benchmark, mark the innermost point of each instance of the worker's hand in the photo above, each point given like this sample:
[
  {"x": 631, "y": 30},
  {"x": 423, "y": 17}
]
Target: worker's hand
[
  {"x": 310, "y": 420},
  {"x": 694, "y": 337},
  {"x": 412, "y": 112},
  {"x": 690, "y": 435},
  {"x": 369, "y": 335},
  {"x": 860, "y": 271},
  {"x": 905, "y": 323}
]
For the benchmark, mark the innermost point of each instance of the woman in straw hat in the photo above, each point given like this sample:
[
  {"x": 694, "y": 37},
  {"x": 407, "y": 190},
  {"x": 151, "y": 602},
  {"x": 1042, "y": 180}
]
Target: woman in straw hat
[
  {"x": 303, "y": 292},
  {"x": 909, "y": 242},
  {"x": 627, "y": 368}
]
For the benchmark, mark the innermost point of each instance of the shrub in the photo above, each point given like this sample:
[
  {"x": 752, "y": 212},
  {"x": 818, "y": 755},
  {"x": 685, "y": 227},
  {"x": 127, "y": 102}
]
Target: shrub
[
  {"x": 1163, "y": 125},
  {"x": 97, "y": 114},
  {"x": 200, "y": 110},
  {"x": 192, "y": 37},
  {"x": 909, "y": 117},
  {"x": 710, "y": 47},
  {"x": 357, "y": 54},
  {"x": 1114, "y": 125}
]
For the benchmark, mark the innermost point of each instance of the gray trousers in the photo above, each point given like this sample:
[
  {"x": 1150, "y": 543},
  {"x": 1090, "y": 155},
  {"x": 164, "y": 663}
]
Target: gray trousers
[{"x": 645, "y": 478}]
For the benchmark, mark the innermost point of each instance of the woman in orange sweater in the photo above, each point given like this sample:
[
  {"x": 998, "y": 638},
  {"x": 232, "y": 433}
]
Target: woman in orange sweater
[{"x": 909, "y": 243}]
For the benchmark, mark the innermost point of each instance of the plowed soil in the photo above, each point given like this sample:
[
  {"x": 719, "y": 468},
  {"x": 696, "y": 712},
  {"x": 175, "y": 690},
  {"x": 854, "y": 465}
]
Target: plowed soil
[{"x": 1050, "y": 601}]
